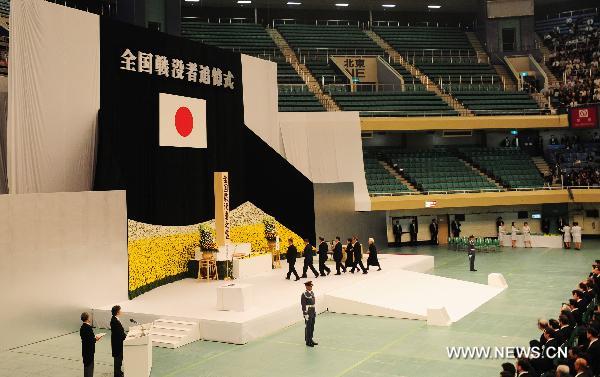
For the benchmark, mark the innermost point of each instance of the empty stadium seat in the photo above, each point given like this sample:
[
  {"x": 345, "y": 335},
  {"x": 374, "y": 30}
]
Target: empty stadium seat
[{"x": 379, "y": 179}]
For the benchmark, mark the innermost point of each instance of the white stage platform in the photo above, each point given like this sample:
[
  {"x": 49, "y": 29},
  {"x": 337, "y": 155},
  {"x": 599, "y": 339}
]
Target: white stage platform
[{"x": 401, "y": 290}]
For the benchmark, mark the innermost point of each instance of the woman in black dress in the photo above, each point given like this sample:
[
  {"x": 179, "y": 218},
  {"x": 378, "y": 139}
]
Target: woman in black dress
[
  {"x": 372, "y": 259},
  {"x": 349, "y": 254}
]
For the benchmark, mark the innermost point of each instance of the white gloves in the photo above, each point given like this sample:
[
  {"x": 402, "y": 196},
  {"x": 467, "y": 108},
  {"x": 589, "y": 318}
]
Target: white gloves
[{"x": 306, "y": 317}]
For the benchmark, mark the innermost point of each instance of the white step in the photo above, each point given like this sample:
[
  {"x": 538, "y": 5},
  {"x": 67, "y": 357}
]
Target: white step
[{"x": 168, "y": 333}]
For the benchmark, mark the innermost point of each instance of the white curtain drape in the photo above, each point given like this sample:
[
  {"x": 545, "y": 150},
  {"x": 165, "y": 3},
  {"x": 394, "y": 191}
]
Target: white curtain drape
[
  {"x": 327, "y": 148},
  {"x": 54, "y": 85}
]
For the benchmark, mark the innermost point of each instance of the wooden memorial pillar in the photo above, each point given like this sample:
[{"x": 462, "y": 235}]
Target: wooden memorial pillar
[{"x": 222, "y": 208}]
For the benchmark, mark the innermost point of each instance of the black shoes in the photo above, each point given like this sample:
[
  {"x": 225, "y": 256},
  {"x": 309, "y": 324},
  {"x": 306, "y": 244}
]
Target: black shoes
[
  {"x": 472, "y": 270},
  {"x": 296, "y": 279},
  {"x": 303, "y": 276},
  {"x": 310, "y": 345},
  {"x": 337, "y": 273}
]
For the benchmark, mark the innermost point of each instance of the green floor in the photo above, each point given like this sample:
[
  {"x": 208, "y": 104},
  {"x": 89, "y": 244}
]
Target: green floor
[{"x": 539, "y": 280}]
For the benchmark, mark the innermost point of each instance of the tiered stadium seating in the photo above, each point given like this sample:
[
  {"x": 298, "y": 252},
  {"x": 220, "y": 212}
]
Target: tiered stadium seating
[
  {"x": 411, "y": 83},
  {"x": 297, "y": 98},
  {"x": 252, "y": 39},
  {"x": 313, "y": 44},
  {"x": 379, "y": 180},
  {"x": 415, "y": 41},
  {"x": 4, "y": 8},
  {"x": 462, "y": 76},
  {"x": 393, "y": 103},
  {"x": 497, "y": 102},
  {"x": 438, "y": 170},
  {"x": 548, "y": 25},
  {"x": 510, "y": 166}
]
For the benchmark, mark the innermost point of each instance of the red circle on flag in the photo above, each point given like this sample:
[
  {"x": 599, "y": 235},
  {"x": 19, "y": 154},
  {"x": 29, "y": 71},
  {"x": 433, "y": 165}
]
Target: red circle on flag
[{"x": 184, "y": 121}]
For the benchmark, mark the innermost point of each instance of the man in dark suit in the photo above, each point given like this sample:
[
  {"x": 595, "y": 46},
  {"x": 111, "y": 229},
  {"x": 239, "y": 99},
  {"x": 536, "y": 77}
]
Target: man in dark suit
[
  {"x": 397, "y": 230},
  {"x": 88, "y": 344},
  {"x": 290, "y": 256},
  {"x": 338, "y": 255},
  {"x": 455, "y": 225},
  {"x": 323, "y": 249},
  {"x": 433, "y": 229},
  {"x": 523, "y": 367},
  {"x": 564, "y": 332},
  {"x": 471, "y": 253},
  {"x": 117, "y": 337},
  {"x": 413, "y": 229},
  {"x": 357, "y": 250},
  {"x": 593, "y": 350},
  {"x": 308, "y": 260}
]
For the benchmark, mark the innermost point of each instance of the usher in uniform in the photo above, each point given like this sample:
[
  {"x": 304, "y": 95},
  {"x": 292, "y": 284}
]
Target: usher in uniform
[{"x": 307, "y": 300}]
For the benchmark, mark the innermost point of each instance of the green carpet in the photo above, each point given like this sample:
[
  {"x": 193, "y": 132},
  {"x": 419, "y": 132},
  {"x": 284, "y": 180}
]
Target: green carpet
[{"x": 539, "y": 280}]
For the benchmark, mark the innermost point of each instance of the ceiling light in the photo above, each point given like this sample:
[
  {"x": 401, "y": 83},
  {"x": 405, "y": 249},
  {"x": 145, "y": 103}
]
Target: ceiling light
[
  {"x": 244, "y": 2},
  {"x": 341, "y": 4},
  {"x": 389, "y": 5},
  {"x": 192, "y": 1},
  {"x": 293, "y": 3},
  {"x": 434, "y": 6}
]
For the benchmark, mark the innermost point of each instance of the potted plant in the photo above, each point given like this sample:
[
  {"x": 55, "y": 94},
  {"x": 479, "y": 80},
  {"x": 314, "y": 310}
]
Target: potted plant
[{"x": 208, "y": 242}]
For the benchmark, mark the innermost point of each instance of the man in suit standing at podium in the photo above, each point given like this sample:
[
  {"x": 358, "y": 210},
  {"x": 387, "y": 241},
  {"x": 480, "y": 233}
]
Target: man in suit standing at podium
[
  {"x": 117, "y": 337},
  {"x": 88, "y": 344},
  {"x": 308, "y": 260}
]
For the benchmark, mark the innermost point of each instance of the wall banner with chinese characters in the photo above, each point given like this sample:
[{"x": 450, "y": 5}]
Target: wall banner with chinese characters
[
  {"x": 363, "y": 69},
  {"x": 172, "y": 114},
  {"x": 583, "y": 116}
]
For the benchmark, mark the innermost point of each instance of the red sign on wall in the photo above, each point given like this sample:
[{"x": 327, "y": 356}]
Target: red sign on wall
[{"x": 583, "y": 117}]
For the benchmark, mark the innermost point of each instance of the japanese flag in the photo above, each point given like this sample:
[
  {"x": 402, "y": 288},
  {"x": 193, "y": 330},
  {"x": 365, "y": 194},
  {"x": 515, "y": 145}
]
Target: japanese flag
[{"x": 182, "y": 121}]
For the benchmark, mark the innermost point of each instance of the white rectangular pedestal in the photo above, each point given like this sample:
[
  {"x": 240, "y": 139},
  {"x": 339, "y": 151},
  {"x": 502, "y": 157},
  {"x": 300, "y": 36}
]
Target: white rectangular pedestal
[
  {"x": 137, "y": 352},
  {"x": 236, "y": 297},
  {"x": 247, "y": 267}
]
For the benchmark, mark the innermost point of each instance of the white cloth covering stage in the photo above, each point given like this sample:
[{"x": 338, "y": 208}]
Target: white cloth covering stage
[
  {"x": 276, "y": 301},
  {"x": 553, "y": 242}
]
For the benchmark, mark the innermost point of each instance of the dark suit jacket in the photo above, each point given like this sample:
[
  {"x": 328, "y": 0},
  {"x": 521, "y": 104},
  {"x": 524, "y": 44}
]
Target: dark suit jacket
[
  {"x": 117, "y": 337},
  {"x": 308, "y": 254},
  {"x": 413, "y": 229},
  {"x": 88, "y": 343},
  {"x": 292, "y": 254},
  {"x": 357, "y": 251},
  {"x": 433, "y": 228},
  {"x": 564, "y": 334},
  {"x": 593, "y": 353},
  {"x": 323, "y": 250},
  {"x": 337, "y": 252},
  {"x": 397, "y": 229}
]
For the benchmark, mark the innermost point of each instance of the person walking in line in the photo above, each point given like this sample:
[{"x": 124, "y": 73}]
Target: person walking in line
[
  {"x": 290, "y": 256},
  {"x": 349, "y": 254},
  {"x": 372, "y": 260},
  {"x": 323, "y": 250},
  {"x": 576, "y": 235},
  {"x": 513, "y": 234},
  {"x": 526, "y": 235},
  {"x": 308, "y": 260},
  {"x": 357, "y": 250},
  {"x": 566, "y": 230},
  {"x": 338, "y": 255}
]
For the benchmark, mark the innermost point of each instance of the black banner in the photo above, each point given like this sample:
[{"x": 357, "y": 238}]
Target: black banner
[{"x": 174, "y": 185}]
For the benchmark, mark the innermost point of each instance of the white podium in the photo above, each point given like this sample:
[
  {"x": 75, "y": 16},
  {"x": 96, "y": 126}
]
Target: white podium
[
  {"x": 235, "y": 297},
  {"x": 253, "y": 266},
  {"x": 137, "y": 351}
]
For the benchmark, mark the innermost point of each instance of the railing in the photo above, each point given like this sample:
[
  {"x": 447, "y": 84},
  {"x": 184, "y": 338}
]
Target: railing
[
  {"x": 406, "y": 114},
  {"x": 224, "y": 20},
  {"x": 445, "y": 59},
  {"x": 365, "y": 87},
  {"x": 293, "y": 88},
  {"x": 427, "y": 52},
  {"x": 327, "y": 52},
  {"x": 422, "y": 23},
  {"x": 571, "y": 13},
  {"x": 450, "y": 192}
]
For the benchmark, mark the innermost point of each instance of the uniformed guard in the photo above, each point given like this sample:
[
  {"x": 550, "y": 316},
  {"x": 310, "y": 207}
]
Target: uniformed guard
[
  {"x": 307, "y": 300},
  {"x": 471, "y": 252}
]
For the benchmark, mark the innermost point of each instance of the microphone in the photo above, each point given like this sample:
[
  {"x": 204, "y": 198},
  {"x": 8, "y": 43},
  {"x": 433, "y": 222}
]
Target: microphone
[{"x": 133, "y": 321}]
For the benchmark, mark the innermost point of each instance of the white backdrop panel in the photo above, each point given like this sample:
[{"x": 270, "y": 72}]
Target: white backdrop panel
[
  {"x": 259, "y": 78},
  {"x": 54, "y": 84},
  {"x": 61, "y": 253},
  {"x": 327, "y": 148}
]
